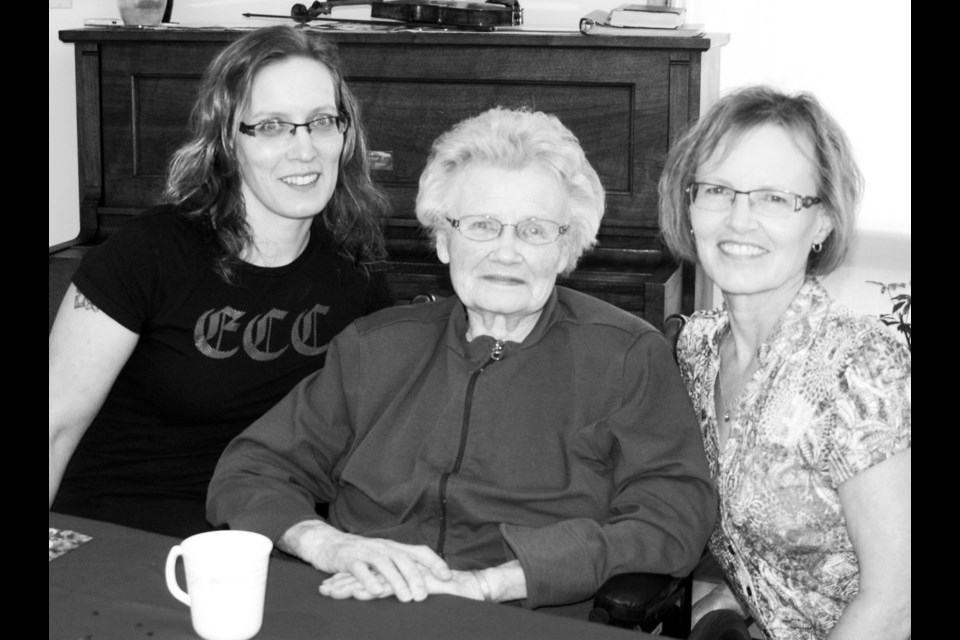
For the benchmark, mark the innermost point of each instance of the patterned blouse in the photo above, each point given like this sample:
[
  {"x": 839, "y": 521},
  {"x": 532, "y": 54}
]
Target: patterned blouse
[{"x": 830, "y": 399}]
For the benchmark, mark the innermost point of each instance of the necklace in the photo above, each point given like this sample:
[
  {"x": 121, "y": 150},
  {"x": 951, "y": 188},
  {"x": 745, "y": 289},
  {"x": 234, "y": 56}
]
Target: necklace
[
  {"x": 723, "y": 402},
  {"x": 726, "y": 407},
  {"x": 744, "y": 377}
]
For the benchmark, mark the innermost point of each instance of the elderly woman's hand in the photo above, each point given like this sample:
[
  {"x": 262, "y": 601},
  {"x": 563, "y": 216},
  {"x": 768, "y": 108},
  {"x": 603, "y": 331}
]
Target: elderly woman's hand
[
  {"x": 346, "y": 585},
  {"x": 381, "y": 567},
  {"x": 498, "y": 584}
]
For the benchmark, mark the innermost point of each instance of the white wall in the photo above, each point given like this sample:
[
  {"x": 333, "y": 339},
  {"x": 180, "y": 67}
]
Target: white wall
[{"x": 854, "y": 55}]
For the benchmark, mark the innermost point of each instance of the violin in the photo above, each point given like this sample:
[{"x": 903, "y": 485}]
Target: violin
[{"x": 483, "y": 16}]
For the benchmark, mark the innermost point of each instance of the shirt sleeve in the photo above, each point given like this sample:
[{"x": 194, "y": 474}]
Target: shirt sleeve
[
  {"x": 273, "y": 474},
  {"x": 663, "y": 504},
  {"x": 120, "y": 275},
  {"x": 873, "y": 408}
]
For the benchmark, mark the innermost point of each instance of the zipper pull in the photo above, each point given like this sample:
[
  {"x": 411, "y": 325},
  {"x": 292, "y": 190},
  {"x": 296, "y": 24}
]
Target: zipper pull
[{"x": 497, "y": 352}]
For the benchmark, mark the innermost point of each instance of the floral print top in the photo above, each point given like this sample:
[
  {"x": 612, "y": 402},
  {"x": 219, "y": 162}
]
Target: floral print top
[{"x": 830, "y": 399}]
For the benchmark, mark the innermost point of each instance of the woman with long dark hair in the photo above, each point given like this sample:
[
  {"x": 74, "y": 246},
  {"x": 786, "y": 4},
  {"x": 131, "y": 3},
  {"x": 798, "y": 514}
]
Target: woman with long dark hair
[{"x": 198, "y": 315}]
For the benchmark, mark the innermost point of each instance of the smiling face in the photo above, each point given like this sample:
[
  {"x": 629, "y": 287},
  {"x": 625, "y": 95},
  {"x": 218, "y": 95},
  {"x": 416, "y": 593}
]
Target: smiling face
[
  {"x": 506, "y": 279},
  {"x": 742, "y": 251},
  {"x": 293, "y": 176}
]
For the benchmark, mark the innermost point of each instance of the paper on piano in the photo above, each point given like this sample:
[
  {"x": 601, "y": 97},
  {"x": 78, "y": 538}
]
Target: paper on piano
[
  {"x": 64, "y": 540},
  {"x": 225, "y": 25},
  {"x": 596, "y": 23},
  {"x": 651, "y": 16}
]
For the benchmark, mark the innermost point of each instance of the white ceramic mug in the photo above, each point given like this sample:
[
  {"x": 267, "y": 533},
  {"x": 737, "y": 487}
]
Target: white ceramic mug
[{"x": 226, "y": 575}]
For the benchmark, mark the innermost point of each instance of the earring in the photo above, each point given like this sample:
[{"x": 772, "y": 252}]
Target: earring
[
  {"x": 817, "y": 248},
  {"x": 691, "y": 230}
]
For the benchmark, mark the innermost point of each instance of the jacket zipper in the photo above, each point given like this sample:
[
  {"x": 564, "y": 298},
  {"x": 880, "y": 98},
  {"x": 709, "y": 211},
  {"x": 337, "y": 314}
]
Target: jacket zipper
[{"x": 496, "y": 354}]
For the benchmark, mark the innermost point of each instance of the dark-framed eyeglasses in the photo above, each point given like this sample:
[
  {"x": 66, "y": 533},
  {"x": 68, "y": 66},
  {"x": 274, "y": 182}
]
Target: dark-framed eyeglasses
[
  {"x": 769, "y": 202},
  {"x": 276, "y": 130},
  {"x": 532, "y": 230}
]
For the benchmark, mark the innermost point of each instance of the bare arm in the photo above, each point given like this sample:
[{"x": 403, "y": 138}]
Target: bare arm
[
  {"x": 87, "y": 351},
  {"x": 719, "y": 598},
  {"x": 876, "y": 506}
]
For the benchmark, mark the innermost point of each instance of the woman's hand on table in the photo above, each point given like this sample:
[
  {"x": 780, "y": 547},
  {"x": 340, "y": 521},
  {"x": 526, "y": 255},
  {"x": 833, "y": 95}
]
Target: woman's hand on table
[
  {"x": 346, "y": 585},
  {"x": 380, "y": 567},
  {"x": 499, "y": 584}
]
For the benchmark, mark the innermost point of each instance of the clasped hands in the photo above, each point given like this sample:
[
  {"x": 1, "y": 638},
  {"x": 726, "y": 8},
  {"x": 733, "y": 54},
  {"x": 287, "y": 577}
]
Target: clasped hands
[{"x": 370, "y": 568}]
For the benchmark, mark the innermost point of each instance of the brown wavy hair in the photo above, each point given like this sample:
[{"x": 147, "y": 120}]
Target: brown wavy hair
[
  {"x": 203, "y": 177},
  {"x": 839, "y": 181}
]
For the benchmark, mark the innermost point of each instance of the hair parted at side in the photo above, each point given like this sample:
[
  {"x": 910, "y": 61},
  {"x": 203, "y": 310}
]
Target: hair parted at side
[
  {"x": 203, "y": 177},
  {"x": 515, "y": 139},
  {"x": 839, "y": 181}
]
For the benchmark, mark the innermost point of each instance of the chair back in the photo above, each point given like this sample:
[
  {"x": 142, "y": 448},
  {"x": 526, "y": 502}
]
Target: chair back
[{"x": 672, "y": 326}]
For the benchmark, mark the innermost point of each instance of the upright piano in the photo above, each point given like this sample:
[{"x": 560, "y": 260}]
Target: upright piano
[{"x": 626, "y": 98}]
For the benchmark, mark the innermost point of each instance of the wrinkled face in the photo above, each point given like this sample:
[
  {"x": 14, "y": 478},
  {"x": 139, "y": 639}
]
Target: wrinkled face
[
  {"x": 291, "y": 176},
  {"x": 742, "y": 250},
  {"x": 504, "y": 276}
]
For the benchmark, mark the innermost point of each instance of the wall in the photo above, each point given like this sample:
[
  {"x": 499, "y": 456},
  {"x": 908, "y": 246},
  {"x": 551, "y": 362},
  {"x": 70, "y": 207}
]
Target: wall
[{"x": 855, "y": 55}]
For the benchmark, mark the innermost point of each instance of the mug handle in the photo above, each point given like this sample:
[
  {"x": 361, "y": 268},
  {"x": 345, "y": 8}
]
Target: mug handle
[{"x": 172, "y": 585}]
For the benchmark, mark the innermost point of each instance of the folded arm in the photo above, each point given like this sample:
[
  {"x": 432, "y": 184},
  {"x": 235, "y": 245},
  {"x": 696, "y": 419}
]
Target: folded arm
[
  {"x": 662, "y": 501},
  {"x": 495, "y": 584},
  {"x": 271, "y": 476},
  {"x": 377, "y": 566}
]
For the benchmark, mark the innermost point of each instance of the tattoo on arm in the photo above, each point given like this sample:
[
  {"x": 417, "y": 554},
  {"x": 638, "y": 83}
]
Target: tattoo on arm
[{"x": 80, "y": 301}]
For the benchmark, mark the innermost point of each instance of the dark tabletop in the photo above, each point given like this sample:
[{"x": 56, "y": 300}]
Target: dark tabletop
[{"x": 113, "y": 587}]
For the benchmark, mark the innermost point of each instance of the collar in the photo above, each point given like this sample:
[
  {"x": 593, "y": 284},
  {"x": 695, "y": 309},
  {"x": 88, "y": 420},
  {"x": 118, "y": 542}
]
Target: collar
[
  {"x": 802, "y": 318},
  {"x": 481, "y": 346},
  {"x": 799, "y": 322}
]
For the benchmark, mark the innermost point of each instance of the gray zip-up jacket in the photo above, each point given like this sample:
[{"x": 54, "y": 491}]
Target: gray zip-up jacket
[{"x": 576, "y": 451}]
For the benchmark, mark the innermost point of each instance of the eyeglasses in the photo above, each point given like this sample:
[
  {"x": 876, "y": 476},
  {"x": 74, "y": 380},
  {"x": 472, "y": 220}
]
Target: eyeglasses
[
  {"x": 769, "y": 202},
  {"x": 531, "y": 230},
  {"x": 275, "y": 130}
]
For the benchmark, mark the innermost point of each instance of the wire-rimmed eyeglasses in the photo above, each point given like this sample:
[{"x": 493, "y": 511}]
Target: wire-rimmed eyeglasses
[
  {"x": 769, "y": 202},
  {"x": 274, "y": 130},
  {"x": 532, "y": 230}
]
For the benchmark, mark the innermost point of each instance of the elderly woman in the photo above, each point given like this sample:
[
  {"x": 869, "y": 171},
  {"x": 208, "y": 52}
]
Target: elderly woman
[
  {"x": 804, "y": 405},
  {"x": 517, "y": 442}
]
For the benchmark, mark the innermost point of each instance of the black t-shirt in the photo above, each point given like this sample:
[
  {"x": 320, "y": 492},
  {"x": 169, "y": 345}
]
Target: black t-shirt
[{"x": 211, "y": 358}]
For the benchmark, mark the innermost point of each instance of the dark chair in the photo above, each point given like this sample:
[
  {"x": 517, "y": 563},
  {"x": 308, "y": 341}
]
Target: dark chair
[
  {"x": 650, "y": 602},
  {"x": 661, "y": 604}
]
